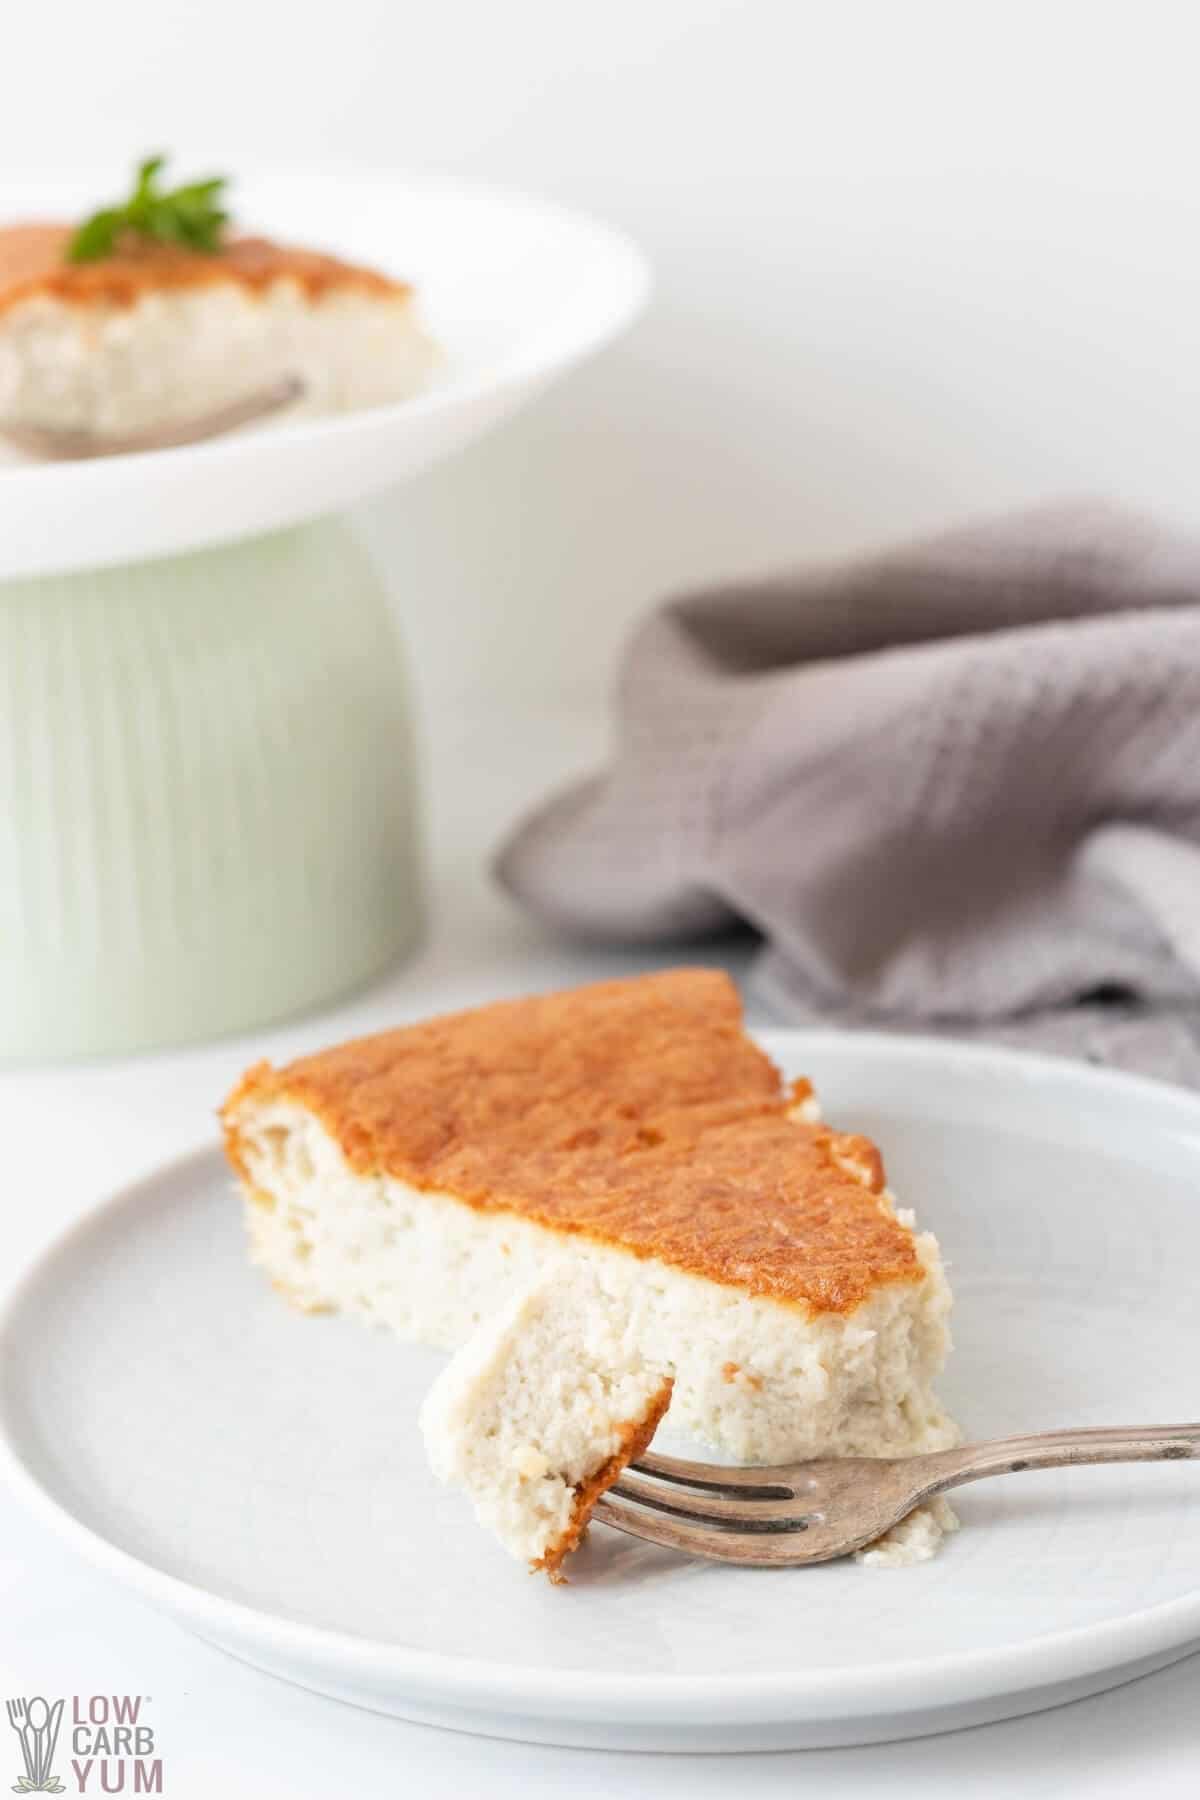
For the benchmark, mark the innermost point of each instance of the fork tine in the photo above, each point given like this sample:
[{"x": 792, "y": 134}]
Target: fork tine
[
  {"x": 754, "y": 1549},
  {"x": 751, "y": 1484},
  {"x": 708, "y": 1508}
]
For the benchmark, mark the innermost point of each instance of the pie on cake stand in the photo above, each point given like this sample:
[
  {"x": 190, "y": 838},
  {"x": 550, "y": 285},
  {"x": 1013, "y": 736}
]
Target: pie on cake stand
[{"x": 206, "y": 753}]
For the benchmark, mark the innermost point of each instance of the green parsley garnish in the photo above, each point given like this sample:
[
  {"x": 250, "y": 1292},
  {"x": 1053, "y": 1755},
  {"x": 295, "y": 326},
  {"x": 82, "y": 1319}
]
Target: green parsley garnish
[{"x": 190, "y": 216}]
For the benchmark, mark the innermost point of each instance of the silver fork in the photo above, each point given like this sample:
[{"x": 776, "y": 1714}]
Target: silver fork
[
  {"x": 55, "y": 443},
  {"x": 810, "y": 1512}
]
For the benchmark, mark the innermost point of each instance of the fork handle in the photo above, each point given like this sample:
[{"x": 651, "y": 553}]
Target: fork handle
[
  {"x": 28, "y": 1751},
  {"x": 1058, "y": 1449}
]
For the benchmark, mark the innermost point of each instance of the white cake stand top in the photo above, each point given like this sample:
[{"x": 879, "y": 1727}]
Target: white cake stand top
[{"x": 515, "y": 290}]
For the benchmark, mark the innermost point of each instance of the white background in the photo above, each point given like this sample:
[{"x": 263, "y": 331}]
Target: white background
[{"x": 913, "y": 259}]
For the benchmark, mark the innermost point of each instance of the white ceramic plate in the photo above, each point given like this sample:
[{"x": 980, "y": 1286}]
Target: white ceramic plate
[
  {"x": 515, "y": 291},
  {"x": 259, "y": 1475}
]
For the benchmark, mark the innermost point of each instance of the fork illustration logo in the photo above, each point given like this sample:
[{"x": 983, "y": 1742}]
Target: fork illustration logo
[{"x": 36, "y": 1724}]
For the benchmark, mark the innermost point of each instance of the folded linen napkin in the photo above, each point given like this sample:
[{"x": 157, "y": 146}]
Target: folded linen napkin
[{"x": 955, "y": 787}]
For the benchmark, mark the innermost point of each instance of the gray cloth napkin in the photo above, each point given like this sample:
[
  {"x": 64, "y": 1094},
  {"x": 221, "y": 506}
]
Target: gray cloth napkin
[{"x": 955, "y": 787}]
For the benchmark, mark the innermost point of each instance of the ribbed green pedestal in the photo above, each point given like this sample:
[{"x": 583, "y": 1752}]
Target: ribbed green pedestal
[{"x": 207, "y": 794}]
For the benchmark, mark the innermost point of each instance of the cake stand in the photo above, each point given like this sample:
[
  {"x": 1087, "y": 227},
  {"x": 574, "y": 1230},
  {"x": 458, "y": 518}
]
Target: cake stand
[{"x": 208, "y": 808}]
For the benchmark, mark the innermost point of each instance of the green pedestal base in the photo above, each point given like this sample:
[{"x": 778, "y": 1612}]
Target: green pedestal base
[{"x": 207, "y": 794}]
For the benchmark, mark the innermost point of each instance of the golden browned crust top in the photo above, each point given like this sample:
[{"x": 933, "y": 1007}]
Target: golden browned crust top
[
  {"x": 634, "y": 1112},
  {"x": 33, "y": 262},
  {"x": 633, "y": 1437}
]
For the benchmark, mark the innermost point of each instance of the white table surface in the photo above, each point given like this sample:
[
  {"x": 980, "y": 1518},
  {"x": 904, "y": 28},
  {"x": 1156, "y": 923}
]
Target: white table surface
[{"x": 71, "y": 1134}]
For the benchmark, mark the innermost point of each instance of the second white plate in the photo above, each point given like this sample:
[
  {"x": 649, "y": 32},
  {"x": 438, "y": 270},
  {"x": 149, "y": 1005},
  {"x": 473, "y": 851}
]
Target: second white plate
[
  {"x": 259, "y": 1475},
  {"x": 514, "y": 289}
]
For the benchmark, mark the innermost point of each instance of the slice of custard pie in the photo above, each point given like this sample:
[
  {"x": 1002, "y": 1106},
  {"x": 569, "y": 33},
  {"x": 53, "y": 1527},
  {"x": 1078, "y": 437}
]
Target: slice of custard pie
[
  {"x": 427, "y": 1178},
  {"x": 155, "y": 312}
]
